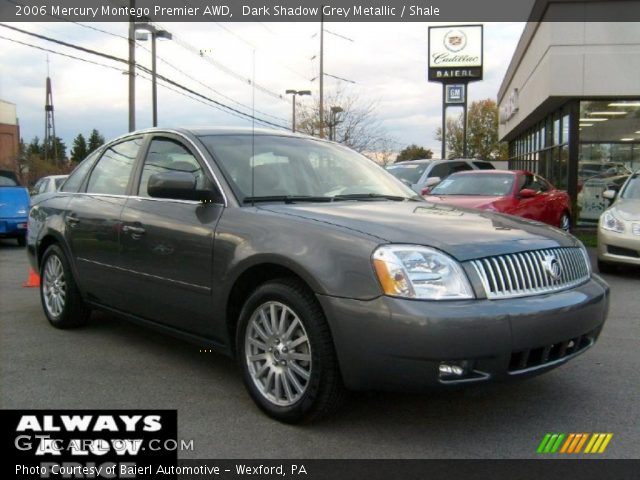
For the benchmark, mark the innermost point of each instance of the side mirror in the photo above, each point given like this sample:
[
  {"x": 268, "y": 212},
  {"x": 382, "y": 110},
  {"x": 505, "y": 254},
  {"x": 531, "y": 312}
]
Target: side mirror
[
  {"x": 432, "y": 182},
  {"x": 609, "y": 194},
  {"x": 527, "y": 193},
  {"x": 177, "y": 186},
  {"x": 425, "y": 191}
]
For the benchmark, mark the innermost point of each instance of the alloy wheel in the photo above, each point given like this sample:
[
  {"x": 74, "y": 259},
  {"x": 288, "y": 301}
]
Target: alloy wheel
[
  {"x": 278, "y": 353},
  {"x": 54, "y": 286}
]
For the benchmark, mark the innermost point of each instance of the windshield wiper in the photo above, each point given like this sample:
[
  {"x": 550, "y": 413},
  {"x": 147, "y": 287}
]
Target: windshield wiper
[
  {"x": 287, "y": 198},
  {"x": 373, "y": 196}
]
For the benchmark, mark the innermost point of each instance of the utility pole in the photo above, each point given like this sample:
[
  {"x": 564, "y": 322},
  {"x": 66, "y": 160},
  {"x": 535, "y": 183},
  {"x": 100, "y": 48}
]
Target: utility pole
[
  {"x": 321, "y": 75},
  {"x": 132, "y": 69}
]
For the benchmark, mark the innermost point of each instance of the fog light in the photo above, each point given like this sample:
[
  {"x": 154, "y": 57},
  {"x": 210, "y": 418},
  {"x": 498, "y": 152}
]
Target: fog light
[{"x": 451, "y": 369}]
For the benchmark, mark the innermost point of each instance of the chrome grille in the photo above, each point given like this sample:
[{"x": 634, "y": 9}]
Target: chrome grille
[
  {"x": 532, "y": 272},
  {"x": 635, "y": 228}
]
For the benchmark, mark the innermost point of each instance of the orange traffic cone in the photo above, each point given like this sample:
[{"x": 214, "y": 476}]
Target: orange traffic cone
[{"x": 33, "y": 280}]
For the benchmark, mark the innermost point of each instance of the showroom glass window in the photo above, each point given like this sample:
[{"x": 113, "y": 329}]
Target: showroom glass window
[
  {"x": 112, "y": 172},
  {"x": 609, "y": 150}
]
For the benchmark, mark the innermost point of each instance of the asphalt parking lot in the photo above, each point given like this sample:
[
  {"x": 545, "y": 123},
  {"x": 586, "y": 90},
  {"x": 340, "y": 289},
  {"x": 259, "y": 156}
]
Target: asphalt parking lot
[{"x": 113, "y": 364}]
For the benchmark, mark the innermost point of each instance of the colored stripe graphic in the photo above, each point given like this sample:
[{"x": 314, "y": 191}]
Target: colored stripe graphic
[
  {"x": 550, "y": 443},
  {"x": 573, "y": 443},
  {"x": 598, "y": 442}
]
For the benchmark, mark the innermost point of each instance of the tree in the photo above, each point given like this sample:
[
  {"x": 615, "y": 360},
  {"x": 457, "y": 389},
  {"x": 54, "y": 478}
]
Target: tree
[
  {"x": 55, "y": 153},
  {"x": 34, "y": 148},
  {"x": 356, "y": 126},
  {"x": 79, "y": 150},
  {"x": 414, "y": 152},
  {"x": 482, "y": 133},
  {"x": 95, "y": 140}
]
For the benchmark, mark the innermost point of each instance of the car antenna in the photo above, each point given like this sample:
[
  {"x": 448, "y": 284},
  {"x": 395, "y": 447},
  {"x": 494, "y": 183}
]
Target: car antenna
[{"x": 253, "y": 126}]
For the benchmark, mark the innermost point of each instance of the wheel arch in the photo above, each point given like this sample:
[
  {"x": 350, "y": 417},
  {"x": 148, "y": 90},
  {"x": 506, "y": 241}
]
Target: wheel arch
[{"x": 251, "y": 278}]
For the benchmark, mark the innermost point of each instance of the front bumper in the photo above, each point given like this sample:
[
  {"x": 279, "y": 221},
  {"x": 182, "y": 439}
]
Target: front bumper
[
  {"x": 13, "y": 227},
  {"x": 391, "y": 343},
  {"x": 618, "y": 247}
]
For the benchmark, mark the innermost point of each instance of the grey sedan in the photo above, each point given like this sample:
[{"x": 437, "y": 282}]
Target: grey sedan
[{"x": 315, "y": 268}]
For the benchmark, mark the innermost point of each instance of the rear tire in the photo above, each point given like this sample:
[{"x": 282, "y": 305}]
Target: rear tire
[
  {"x": 606, "y": 267},
  {"x": 286, "y": 353},
  {"x": 59, "y": 294}
]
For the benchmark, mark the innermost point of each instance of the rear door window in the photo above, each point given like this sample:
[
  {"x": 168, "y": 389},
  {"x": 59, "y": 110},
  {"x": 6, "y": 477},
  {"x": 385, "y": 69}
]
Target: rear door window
[
  {"x": 74, "y": 181},
  {"x": 111, "y": 174}
]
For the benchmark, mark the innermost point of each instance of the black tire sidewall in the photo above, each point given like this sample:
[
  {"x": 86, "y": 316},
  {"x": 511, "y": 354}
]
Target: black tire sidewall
[{"x": 280, "y": 292}]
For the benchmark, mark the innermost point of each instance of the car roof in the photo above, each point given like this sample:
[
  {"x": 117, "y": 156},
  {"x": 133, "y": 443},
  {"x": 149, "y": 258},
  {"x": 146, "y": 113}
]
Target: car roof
[
  {"x": 489, "y": 172},
  {"x": 410, "y": 162}
]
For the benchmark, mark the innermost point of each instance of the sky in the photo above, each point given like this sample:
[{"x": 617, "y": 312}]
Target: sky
[{"x": 387, "y": 62}]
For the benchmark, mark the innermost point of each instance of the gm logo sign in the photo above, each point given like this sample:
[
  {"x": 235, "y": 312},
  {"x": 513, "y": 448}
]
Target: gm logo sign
[
  {"x": 574, "y": 443},
  {"x": 455, "y": 94}
]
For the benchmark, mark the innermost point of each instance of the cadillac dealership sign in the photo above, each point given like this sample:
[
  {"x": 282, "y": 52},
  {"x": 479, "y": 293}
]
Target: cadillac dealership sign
[{"x": 455, "y": 53}]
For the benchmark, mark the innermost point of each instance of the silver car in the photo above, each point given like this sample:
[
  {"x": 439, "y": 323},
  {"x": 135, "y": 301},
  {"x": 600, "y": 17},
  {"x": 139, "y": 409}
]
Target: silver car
[
  {"x": 49, "y": 184},
  {"x": 423, "y": 174},
  {"x": 619, "y": 227}
]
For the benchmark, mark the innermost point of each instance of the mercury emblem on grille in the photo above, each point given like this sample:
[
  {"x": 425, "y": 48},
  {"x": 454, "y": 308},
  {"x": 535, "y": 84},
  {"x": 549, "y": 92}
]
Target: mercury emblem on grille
[{"x": 552, "y": 267}]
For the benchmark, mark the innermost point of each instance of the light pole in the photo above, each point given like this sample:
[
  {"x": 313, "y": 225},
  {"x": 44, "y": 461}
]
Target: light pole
[
  {"x": 332, "y": 127},
  {"x": 293, "y": 115},
  {"x": 155, "y": 33}
]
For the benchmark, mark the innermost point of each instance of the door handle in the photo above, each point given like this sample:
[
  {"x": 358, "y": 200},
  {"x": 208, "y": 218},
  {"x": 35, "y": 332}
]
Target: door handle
[
  {"x": 72, "y": 220},
  {"x": 135, "y": 232}
]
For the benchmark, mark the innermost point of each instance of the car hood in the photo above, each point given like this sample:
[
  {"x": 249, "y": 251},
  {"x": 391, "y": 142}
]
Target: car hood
[
  {"x": 462, "y": 233},
  {"x": 628, "y": 209},
  {"x": 466, "y": 201}
]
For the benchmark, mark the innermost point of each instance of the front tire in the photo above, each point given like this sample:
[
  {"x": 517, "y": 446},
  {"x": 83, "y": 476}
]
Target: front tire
[
  {"x": 565, "y": 222},
  {"x": 606, "y": 267},
  {"x": 287, "y": 355},
  {"x": 59, "y": 294}
]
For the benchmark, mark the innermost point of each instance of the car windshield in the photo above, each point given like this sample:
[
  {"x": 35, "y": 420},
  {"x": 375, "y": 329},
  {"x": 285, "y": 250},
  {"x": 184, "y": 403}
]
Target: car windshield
[
  {"x": 495, "y": 184},
  {"x": 286, "y": 168},
  {"x": 632, "y": 188},
  {"x": 409, "y": 172},
  {"x": 7, "y": 182}
]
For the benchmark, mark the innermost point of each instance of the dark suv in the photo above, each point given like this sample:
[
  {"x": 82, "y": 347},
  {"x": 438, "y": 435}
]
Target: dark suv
[{"x": 314, "y": 267}]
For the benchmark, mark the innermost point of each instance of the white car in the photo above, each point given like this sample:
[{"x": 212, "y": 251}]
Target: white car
[
  {"x": 49, "y": 184},
  {"x": 619, "y": 227}
]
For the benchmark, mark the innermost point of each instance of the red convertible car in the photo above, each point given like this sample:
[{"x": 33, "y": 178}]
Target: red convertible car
[{"x": 516, "y": 192}]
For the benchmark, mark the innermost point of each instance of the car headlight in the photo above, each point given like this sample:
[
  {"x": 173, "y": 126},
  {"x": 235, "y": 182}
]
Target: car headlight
[
  {"x": 611, "y": 222},
  {"x": 413, "y": 271}
]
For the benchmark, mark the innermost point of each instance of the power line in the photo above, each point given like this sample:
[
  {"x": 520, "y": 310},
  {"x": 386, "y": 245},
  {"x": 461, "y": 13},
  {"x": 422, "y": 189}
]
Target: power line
[
  {"x": 145, "y": 77},
  {"x": 145, "y": 69},
  {"x": 60, "y": 53},
  {"x": 171, "y": 65}
]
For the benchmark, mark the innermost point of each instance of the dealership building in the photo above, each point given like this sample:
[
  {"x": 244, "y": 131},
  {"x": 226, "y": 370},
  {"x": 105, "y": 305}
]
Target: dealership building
[
  {"x": 9, "y": 137},
  {"x": 570, "y": 102}
]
